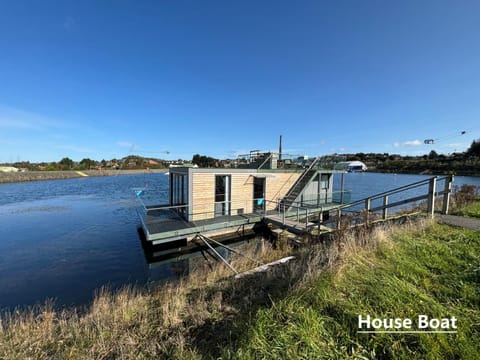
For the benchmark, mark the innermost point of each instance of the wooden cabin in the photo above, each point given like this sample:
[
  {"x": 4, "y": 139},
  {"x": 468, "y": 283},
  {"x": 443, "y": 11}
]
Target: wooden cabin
[
  {"x": 205, "y": 199},
  {"x": 210, "y": 193}
]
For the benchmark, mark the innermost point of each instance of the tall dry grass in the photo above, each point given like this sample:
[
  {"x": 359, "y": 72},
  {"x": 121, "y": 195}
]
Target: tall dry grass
[{"x": 196, "y": 317}]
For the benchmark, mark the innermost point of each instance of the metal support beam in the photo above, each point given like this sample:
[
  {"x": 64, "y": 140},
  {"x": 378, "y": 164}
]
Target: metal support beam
[
  {"x": 219, "y": 256},
  {"x": 231, "y": 249}
]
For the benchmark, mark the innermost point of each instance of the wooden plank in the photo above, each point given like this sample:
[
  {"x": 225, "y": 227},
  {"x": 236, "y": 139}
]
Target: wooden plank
[{"x": 265, "y": 267}]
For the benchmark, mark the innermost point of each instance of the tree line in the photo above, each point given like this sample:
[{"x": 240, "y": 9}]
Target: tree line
[{"x": 464, "y": 163}]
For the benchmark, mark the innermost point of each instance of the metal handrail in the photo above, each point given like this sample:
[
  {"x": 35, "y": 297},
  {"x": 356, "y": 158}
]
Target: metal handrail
[
  {"x": 393, "y": 191},
  {"x": 300, "y": 178},
  {"x": 265, "y": 161}
]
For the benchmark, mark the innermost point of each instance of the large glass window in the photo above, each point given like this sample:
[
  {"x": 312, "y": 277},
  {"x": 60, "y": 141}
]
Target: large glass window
[
  {"x": 179, "y": 195},
  {"x": 258, "y": 194}
]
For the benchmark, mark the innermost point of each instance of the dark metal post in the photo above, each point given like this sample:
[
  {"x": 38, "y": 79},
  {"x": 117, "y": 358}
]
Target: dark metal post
[
  {"x": 320, "y": 220},
  {"x": 280, "y": 149}
]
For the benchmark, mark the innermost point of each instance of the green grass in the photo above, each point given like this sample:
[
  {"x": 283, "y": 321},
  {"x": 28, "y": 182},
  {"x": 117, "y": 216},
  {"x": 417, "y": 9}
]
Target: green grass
[
  {"x": 435, "y": 271},
  {"x": 470, "y": 210},
  {"x": 307, "y": 309}
]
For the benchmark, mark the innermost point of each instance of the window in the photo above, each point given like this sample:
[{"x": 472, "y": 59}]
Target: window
[{"x": 222, "y": 195}]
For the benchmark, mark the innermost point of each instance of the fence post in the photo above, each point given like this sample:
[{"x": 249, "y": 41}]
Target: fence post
[
  {"x": 306, "y": 218},
  {"x": 283, "y": 215},
  {"x": 339, "y": 215},
  {"x": 385, "y": 209},
  {"x": 320, "y": 220},
  {"x": 342, "y": 188},
  {"x": 431, "y": 197},
  {"x": 446, "y": 194},
  {"x": 368, "y": 203}
]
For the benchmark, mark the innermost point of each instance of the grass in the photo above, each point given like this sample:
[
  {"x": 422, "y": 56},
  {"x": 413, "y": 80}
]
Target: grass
[
  {"x": 469, "y": 210},
  {"x": 433, "y": 271},
  {"x": 307, "y": 309},
  {"x": 466, "y": 201}
]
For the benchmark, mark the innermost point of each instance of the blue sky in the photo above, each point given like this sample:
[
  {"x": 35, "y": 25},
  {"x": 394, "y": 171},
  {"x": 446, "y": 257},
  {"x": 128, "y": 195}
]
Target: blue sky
[{"x": 103, "y": 79}]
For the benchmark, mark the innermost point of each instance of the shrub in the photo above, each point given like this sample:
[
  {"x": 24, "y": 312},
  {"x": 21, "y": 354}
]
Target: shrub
[{"x": 465, "y": 194}]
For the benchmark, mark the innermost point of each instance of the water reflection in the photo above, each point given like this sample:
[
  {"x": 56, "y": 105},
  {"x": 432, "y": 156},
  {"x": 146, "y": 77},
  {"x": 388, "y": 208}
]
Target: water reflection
[{"x": 172, "y": 261}]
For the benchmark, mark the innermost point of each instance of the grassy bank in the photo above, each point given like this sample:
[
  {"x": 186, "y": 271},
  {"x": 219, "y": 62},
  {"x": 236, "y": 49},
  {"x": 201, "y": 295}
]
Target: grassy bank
[
  {"x": 67, "y": 174},
  {"x": 466, "y": 201},
  {"x": 306, "y": 309},
  {"x": 433, "y": 271}
]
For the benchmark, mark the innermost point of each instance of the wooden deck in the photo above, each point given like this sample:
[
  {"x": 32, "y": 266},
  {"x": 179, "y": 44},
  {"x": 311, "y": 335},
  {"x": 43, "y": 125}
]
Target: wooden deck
[{"x": 161, "y": 226}]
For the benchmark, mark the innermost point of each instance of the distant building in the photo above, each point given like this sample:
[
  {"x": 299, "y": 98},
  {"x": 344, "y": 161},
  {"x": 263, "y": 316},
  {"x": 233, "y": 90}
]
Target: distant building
[
  {"x": 8, "y": 169},
  {"x": 152, "y": 162},
  {"x": 351, "y": 166}
]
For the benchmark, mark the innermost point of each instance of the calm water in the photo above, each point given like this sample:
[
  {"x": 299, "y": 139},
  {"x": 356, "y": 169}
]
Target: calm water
[{"x": 63, "y": 239}]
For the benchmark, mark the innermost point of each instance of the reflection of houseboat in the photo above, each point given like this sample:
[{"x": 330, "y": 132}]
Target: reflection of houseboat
[{"x": 219, "y": 200}]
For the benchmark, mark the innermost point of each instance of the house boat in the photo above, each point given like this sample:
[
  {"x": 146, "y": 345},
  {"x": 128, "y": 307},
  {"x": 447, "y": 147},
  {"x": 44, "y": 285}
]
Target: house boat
[{"x": 263, "y": 187}]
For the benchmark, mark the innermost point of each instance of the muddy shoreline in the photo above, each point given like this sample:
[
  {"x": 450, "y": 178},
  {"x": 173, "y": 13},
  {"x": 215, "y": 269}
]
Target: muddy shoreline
[{"x": 69, "y": 174}]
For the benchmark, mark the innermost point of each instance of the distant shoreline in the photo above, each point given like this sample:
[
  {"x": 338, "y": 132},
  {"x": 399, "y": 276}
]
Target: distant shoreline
[
  {"x": 425, "y": 172},
  {"x": 25, "y": 176}
]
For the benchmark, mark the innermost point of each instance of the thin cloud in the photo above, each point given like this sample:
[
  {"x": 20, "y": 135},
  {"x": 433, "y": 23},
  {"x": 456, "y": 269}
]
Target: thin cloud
[
  {"x": 7, "y": 122},
  {"x": 77, "y": 149},
  {"x": 408, "y": 143},
  {"x": 27, "y": 121},
  {"x": 456, "y": 145},
  {"x": 69, "y": 23},
  {"x": 20, "y": 119},
  {"x": 125, "y": 144}
]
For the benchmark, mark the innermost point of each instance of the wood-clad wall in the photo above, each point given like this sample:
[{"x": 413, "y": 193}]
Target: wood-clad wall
[
  {"x": 203, "y": 191},
  {"x": 278, "y": 186},
  {"x": 203, "y": 196},
  {"x": 242, "y": 193}
]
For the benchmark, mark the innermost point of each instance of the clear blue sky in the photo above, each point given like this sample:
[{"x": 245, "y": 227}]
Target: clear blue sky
[{"x": 103, "y": 79}]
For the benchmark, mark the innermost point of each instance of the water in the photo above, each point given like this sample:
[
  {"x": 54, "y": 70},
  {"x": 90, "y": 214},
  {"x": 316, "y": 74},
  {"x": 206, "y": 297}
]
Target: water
[
  {"x": 363, "y": 185},
  {"x": 64, "y": 239}
]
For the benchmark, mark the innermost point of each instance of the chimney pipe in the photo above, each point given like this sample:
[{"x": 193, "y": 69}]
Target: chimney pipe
[{"x": 280, "y": 149}]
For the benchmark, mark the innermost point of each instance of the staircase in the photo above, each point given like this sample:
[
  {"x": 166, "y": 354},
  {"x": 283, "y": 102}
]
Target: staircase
[{"x": 299, "y": 185}]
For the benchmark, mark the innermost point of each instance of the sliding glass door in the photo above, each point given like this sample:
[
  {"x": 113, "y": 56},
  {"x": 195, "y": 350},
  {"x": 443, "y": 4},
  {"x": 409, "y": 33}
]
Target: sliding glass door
[{"x": 222, "y": 195}]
